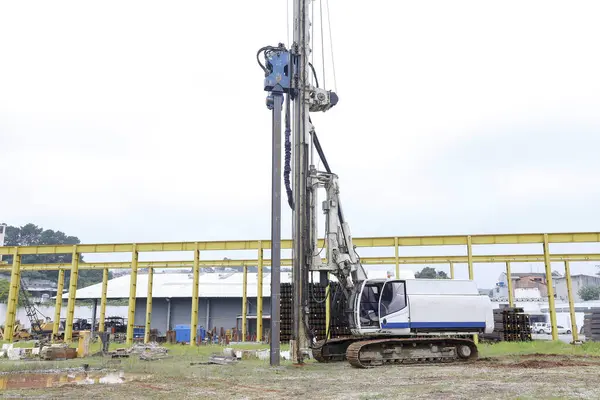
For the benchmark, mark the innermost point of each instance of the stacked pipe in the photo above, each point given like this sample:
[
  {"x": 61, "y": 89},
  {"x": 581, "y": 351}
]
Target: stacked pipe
[
  {"x": 511, "y": 324},
  {"x": 591, "y": 325},
  {"x": 317, "y": 311},
  {"x": 285, "y": 327}
]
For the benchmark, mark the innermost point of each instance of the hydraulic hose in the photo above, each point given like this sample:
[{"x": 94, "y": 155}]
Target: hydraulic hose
[{"x": 287, "y": 169}]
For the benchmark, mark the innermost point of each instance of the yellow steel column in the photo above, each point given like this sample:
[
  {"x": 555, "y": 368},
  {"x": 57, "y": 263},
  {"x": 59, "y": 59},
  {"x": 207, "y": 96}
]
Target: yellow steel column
[
  {"x": 58, "y": 305},
  {"x": 571, "y": 303},
  {"x": 132, "y": 294},
  {"x": 149, "y": 305},
  {"x": 551, "y": 304},
  {"x": 194, "y": 322},
  {"x": 13, "y": 296},
  {"x": 244, "y": 304},
  {"x": 511, "y": 300},
  {"x": 471, "y": 272},
  {"x": 72, "y": 291},
  {"x": 470, "y": 257},
  {"x": 103, "y": 299},
  {"x": 397, "y": 260},
  {"x": 259, "y": 294},
  {"x": 451, "y": 270}
]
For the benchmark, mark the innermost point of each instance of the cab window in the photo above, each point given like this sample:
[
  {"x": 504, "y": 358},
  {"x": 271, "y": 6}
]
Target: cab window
[{"x": 393, "y": 298}]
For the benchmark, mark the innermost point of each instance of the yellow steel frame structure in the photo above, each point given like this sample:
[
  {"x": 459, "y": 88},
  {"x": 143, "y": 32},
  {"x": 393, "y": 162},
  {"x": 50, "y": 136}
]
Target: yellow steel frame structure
[
  {"x": 103, "y": 300},
  {"x": 397, "y": 242},
  {"x": 58, "y": 304},
  {"x": 196, "y": 282},
  {"x": 149, "y": 305}
]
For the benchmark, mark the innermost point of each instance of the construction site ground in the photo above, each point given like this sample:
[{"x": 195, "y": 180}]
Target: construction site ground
[{"x": 536, "y": 370}]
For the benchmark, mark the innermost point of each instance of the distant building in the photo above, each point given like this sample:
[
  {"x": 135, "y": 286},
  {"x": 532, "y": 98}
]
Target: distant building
[
  {"x": 525, "y": 285},
  {"x": 577, "y": 282},
  {"x": 219, "y": 303},
  {"x": 40, "y": 290}
]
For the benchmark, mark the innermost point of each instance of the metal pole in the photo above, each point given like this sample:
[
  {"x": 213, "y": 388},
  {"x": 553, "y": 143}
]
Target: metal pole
[
  {"x": 194, "y": 323},
  {"x": 511, "y": 300},
  {"x": 103, "y": 300},
  {"x": 58, "y": 304},
  {"x": 551, "y": 304},
  {"x": 276, "y": 229},
  {"x": 132, "y": 294},
  {"x": 207, "y": 313},
  {"x": 244, "y": 303},
  {"x": 13, "y": 296},
  {"x": 149, "y": 305},
  {"x": 259, "y": 294},
  {"x": 72, "y": 292},
  {"x": 397, "y": 259},
  {"x": 300, "y": 236},
  {"x": 168, "y": 314},
  {"x": 451, "y": 270},
  {"x": 571, "y": 303}
]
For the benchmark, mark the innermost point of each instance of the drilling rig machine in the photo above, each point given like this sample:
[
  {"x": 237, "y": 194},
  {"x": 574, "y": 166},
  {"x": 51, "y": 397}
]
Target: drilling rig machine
[{"x": 391, "y": 320}]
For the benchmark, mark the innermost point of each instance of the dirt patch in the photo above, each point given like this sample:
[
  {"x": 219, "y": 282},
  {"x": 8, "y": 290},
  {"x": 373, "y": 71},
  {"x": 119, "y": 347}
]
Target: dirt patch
[
  {"x": 536, "y": 363},
  {"x": 540, "y": 355}
]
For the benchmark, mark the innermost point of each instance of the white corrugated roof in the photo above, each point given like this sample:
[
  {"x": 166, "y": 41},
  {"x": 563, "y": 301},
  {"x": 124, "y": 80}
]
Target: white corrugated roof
[{"x": 180, "y": 285}]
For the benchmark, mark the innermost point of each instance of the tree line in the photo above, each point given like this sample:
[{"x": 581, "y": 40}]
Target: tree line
[{"x": 33, "y": 235}]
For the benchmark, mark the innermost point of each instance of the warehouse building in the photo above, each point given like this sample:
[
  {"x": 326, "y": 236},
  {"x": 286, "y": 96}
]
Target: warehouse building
[{"x": 219, "y": 303}]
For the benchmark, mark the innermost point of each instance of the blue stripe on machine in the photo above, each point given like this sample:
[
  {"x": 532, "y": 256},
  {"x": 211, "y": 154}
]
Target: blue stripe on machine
[
  {"x": 395, "y": 325},
  {"x": 438, "y": 325}
]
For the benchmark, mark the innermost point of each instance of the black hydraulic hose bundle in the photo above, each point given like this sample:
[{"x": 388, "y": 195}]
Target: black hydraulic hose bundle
[{"x": 287, "y": 169}]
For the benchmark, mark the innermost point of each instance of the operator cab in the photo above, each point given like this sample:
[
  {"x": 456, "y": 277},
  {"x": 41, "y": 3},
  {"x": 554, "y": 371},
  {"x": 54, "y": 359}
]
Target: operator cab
[{"x": 380, "y": 304}]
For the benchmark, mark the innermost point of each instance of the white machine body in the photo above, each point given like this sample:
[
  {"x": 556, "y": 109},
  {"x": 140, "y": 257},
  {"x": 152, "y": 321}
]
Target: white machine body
[{"x": 421, "y": 307}]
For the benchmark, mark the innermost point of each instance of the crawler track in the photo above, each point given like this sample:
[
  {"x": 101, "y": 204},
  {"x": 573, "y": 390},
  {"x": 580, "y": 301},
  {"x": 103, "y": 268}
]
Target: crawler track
[{"x": 372, "y": 352}]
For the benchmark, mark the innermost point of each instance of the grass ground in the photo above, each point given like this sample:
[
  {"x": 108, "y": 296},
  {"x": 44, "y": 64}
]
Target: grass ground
[{"x": 537, "y": 370}]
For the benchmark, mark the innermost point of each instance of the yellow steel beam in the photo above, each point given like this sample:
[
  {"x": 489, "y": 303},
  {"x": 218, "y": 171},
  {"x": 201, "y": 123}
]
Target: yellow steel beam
[
  {"x": 259, "y": 295},
  {"x": 511, "y": 301},
  {"x": 244, "y": 304},
  {"x": 451, "y": 270},
  {"x": 452, "y": 240},
  {"x": 571, "y": 302},
  {"x": 103, "y": 300},
  {"x": 58, "y": 305},
  {"x": 132, "y": 294},
  {"x": 13, "y": 296},
  {"x": 149, "y": 306},
  {"x": 288, "y": 262},
  {"x": 194, "y": 322},
  {"x": 551, "y": 306},
  {"x": 72, "y": 292}
]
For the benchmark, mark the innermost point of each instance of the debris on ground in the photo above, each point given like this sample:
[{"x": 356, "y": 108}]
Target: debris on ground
[
  {"x": 218, "y": 359},
  {"x": 149, "y": 351},
  {"x": 58, "y": 351},
  {"x": 118, "y": 353},
  {"x": 261, "y": 354}
]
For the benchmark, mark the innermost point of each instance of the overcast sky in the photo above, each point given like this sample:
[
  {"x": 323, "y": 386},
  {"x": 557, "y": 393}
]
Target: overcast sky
[{"x": 127, "y": 121}]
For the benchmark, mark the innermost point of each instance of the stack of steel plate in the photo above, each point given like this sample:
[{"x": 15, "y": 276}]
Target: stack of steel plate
[{"x": 511, "y": 324}]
